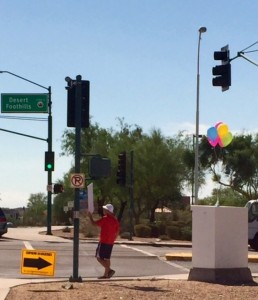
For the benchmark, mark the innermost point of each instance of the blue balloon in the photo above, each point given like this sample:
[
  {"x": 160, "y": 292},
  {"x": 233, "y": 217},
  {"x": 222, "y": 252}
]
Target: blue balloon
[{"x": 212, "y": 133}]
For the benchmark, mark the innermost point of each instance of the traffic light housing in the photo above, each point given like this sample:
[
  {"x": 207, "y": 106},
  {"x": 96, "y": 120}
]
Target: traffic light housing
[
  {"x": 58, "y": 188},
  {"x": 49, "y": 161},
  {"x": 223, "y": 71},
  {"x": 121, "y": 170},
  {"x": 85, "y": 103}
]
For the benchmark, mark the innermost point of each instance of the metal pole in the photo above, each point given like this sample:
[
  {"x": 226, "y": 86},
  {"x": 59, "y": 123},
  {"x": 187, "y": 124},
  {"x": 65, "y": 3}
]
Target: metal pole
[
  {"x": 131, "y": 193},
  {"x": 49, "y": 173},
  {"x": 76, "y": 217},
  {"x": 196, "y": 164}
]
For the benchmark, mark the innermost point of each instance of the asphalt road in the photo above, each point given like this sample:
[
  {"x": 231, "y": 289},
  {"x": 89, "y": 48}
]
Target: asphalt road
[{"x": 127, "y": 260}]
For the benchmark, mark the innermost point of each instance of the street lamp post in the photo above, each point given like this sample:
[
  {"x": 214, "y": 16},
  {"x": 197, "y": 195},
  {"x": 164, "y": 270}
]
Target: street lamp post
[{"x": 196, "y": 164}]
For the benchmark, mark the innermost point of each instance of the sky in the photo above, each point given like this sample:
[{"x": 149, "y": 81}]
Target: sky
[{"x": 140, "y": 57}]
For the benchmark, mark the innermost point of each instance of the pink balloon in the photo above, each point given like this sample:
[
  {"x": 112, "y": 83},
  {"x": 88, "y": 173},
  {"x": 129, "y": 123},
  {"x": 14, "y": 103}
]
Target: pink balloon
[
  {"x": 219, "y": 135},
  {"x": 217, "y": 124},
  {"x": 213, "y": 143}
]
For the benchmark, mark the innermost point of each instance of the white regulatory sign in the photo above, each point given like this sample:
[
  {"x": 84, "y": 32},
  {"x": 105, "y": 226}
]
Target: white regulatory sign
[{"x": 77, "y": 180}]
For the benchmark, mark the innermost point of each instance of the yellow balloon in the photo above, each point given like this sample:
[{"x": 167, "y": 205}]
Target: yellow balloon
[
  {"x": 222, "y": 130},
  {"x": 226, "y": 140}
]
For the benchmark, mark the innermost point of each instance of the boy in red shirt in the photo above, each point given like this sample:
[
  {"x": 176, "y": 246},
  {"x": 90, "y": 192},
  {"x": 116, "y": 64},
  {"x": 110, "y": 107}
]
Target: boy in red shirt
[{"x": 109, "y": 229}]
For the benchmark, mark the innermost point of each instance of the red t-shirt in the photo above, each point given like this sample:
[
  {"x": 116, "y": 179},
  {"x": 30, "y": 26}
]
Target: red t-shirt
[{"x": 109, "y": 229}]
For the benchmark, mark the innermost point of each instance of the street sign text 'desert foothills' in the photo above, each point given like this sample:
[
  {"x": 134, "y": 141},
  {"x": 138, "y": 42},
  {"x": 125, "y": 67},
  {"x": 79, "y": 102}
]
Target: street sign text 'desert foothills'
[{"x": 24, "y": 103}]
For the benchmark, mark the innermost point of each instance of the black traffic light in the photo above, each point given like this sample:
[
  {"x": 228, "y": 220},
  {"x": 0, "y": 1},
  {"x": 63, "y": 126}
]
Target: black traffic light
[
  {"x": 121, "y": 170},
  {"x": 85, "y": 103},
  {"x": 99, "y": 167},
  {"x": 223, "y": 71},
  {"x": 49, "y": 161},
  {"x": 58, "y": 188}
]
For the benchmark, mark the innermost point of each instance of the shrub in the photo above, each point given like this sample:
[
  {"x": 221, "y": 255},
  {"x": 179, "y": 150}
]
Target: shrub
[
  {"x": 125, "y": 235},
  {"x": 87, "y": 229},
  {"x": 154, "y": 230},
  {"x": 142, "y": 230},
  {"x": 186, "y": 233},
  {"x": 173, "y": 232},
  {"x": 162, "y": 228},
  {"x": 164, "y": 237}
]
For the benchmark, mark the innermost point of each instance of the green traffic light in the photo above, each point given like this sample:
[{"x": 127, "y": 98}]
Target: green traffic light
[
  {"x": 49, "y": 161},
  {"x": 49, "y": 166}
]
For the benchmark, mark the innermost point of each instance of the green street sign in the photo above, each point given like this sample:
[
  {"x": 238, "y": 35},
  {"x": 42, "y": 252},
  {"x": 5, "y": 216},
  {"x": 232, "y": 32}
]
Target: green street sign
[{"x": 24, "y": 103}]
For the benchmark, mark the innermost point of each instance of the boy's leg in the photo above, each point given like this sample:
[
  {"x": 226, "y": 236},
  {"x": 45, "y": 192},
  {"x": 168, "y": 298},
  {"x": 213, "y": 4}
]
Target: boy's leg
[
  {"x": 106, "y": 264},
  {"x": 103, "y": 255}
]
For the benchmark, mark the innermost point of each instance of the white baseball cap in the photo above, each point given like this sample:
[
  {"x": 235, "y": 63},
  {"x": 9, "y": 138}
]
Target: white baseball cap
[{"x": 109, "y": 207}]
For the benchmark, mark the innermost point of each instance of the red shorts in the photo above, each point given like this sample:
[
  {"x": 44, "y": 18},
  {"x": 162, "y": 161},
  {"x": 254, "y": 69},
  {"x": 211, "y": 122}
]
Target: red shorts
[{"x": 104, "y": 251}]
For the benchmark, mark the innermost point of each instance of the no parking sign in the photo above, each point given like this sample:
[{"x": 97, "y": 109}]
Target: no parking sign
[{"x": 77, "y": 180}]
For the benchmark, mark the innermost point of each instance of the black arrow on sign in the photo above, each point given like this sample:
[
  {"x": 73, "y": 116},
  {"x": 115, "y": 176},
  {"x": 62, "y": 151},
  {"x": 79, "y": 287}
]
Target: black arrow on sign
[{"x": 38, "y": 263}]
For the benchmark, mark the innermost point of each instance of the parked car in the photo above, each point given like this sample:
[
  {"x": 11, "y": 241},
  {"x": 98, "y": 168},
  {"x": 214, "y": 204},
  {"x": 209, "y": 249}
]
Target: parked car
[{"x": 3, "y": 223}]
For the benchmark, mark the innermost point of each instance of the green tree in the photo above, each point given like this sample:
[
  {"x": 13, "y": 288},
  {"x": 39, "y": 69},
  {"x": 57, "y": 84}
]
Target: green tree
[
  {"x": 158, "y": 174},
  {"x": 224, "y": 197},
  {"x": 188, "y": 157},
  {"x": 235, "y": 166},
  {"x": 159, "y": 171},
  {"x": 36, "y": 211}
]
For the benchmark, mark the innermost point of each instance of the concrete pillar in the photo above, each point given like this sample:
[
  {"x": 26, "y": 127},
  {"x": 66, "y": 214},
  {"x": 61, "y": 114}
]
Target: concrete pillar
[{"x": 220, "y": 244}]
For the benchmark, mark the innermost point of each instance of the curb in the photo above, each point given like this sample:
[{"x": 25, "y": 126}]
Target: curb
[{"x": 188, "y": 257}]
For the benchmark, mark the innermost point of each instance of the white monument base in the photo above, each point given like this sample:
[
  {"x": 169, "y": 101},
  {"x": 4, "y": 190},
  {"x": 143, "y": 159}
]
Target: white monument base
[{"x": 220, "y": 244}]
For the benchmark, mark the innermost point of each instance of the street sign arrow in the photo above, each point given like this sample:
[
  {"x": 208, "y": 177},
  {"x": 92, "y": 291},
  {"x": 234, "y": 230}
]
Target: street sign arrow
[{"x": 38, "y": 263}]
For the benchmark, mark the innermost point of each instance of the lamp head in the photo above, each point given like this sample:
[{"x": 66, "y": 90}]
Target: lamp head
[{"x": 202, "y": 29}]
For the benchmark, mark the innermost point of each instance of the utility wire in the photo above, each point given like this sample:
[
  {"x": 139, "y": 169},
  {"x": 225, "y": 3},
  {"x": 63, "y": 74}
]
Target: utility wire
[
  {"x": 24, "y": 118},
  {"x": 249, "y": 46},
  {"x": 250, "y": 51}
]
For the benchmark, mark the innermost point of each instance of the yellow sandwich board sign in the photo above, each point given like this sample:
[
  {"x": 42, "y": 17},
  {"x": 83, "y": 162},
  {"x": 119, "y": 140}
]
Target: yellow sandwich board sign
[{"x": 38, "y": 262}]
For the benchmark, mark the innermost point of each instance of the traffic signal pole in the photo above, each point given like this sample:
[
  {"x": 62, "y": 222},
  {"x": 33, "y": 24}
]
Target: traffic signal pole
[
  {"x": 76, "y": 216},
  {"x": 49, "y": 172},
  {"x": 131, "y": 194},
  {"x": 49, "y": 141},
  {"x": 78, "y": 98}
]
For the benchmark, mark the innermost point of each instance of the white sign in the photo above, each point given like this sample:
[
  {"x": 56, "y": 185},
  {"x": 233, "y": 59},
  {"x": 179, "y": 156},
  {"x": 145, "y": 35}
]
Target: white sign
[
  {"x": 70, "y": 204},
  {"x": 77, "y": 180},
  {"x": 90, "y": 198}
]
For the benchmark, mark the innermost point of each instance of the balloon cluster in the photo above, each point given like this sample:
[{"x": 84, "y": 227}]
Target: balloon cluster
[{"x": 219, "y": 134}]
